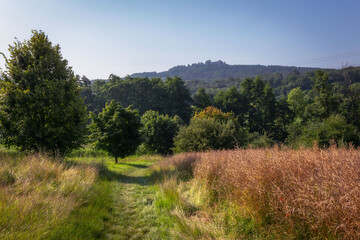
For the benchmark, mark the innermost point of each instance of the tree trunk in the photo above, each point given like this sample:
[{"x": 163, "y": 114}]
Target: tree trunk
[{"x": 116, "y": 161}]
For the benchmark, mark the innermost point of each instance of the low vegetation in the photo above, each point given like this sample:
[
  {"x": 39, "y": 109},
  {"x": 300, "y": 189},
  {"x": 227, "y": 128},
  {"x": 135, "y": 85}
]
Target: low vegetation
[
  {"x": 38, "y": 193},
  {"x": 263, "y": 193}
]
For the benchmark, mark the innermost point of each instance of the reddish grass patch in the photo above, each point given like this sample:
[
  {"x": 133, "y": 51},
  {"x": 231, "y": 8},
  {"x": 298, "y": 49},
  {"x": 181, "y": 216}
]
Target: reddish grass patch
[{"x": 312, "y": 190}]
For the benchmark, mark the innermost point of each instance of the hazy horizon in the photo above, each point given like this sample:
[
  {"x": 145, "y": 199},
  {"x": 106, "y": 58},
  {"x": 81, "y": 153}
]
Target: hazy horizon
[{"x": 99, "y": 38}]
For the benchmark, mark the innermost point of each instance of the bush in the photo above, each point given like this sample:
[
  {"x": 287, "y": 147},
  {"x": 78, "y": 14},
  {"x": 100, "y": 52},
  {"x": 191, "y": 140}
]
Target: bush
[
  {"x": 333, "y": 128},
  {"x": 205, "y": 134},
  {"x": 257, "y": 140}
]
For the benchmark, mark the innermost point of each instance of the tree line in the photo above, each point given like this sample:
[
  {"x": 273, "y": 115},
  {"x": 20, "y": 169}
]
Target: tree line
[{"x": 44, "y": 106}]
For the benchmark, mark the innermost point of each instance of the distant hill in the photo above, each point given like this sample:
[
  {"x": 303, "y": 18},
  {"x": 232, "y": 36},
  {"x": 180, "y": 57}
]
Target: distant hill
[{"x": 220, "y": 70}]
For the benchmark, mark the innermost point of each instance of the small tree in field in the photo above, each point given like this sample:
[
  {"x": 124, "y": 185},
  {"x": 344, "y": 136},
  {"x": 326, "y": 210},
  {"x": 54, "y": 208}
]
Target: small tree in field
[
  {"x": 116, "y": 130},
  {"x": 40, "y": 104}
]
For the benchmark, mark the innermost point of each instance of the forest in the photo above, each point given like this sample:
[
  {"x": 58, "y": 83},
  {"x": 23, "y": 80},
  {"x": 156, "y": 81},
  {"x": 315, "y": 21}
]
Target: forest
[{"x": 295, "y": 110}]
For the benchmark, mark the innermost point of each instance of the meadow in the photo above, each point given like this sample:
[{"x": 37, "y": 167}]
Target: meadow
[
  {"x": 273, "y": 193},
  {"x": 264, "y": 193}
]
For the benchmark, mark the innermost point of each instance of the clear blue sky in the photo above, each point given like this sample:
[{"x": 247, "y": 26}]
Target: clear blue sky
[{"x": 100, "y": 37}]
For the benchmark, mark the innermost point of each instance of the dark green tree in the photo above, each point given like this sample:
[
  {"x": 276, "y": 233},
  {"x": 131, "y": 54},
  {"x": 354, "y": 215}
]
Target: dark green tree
[
  {"x": 116, "y": 130},
  {"x": 325, "y": 102},
  {"x": 231, "y": 101},
  {"x": 259, "y": 104},
  {"x": 270, "y": 110},
  {"x": 284, "y": 117},
  {"x": 41, "y": 108},
  {"x": 201, "y": 99},
  {"x": 158, "y": 131},
  {"x": 179, "y": 99}
]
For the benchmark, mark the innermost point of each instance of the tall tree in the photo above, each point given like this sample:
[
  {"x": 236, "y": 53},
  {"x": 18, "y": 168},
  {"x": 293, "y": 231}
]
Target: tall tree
[
  {"x": 296, "y": 101},
  {"x": 201, "y": 99},
  {"x": 179, "y": 98},
  {"x": 270, "y": 108},
  {"x": 230, "y": 101},
  {"x": 325, "y": 100},
  {"x": 41, "y": 108}
]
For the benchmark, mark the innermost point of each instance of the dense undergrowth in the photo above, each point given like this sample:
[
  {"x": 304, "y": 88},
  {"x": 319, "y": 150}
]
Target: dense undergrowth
[{"x": 263, "y": 194}]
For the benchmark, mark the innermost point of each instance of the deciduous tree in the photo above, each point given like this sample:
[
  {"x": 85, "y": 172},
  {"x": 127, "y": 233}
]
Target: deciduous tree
[
  {"x": 40, "y": 104},
  {"x": 116, "y": 130}
]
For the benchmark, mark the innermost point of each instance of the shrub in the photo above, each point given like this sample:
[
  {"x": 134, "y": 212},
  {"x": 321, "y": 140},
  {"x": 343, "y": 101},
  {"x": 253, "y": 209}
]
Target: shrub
[
  {"x": 215, "y": 113},
  {"x": 205, "y": 134},
  {"x": 333, "y": 128}
]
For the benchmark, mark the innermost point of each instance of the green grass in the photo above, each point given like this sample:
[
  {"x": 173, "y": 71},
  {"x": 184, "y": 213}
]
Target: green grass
[
  {"x": 38, "y": 193},
  {"x": 89, "y": 219},
  {"x": 121, "y": 205}
]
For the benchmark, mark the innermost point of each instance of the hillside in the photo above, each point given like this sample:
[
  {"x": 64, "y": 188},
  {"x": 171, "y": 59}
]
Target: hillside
[{"x": 220, "y": 70}]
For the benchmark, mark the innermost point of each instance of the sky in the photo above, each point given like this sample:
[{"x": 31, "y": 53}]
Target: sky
[{"x": 103, "y": 37}]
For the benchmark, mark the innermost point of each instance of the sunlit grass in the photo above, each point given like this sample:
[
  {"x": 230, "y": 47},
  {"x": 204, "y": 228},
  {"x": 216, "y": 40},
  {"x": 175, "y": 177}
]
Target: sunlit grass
[{"x": 37, "y": 193}]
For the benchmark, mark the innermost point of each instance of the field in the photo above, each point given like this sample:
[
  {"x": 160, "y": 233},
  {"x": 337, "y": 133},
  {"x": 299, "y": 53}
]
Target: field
[
  {"x": 239, "y": 194},
  {"x": 264, "y": 193}
]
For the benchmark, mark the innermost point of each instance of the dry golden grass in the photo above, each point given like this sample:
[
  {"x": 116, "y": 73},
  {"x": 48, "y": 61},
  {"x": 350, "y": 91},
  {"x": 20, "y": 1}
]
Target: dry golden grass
[
  {"x": 314, "y": 191},
  {"x": 37, "y": 193}
]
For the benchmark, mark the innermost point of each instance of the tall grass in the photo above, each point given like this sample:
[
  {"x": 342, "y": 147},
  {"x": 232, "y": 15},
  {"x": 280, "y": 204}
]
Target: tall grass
[
  {"x": 37, "y": 193},
  {"x": 308, "y": 193}
]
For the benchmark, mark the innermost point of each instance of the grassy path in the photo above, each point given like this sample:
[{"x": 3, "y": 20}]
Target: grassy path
[{"x": 134, "y": 215}]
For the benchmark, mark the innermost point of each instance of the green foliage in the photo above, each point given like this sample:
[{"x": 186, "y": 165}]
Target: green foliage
[
  {"x": 158, "y": 131},
  {"x": 86, "y": 93},
  {"x": 204, "y": 134},
  {"x": 167, "y": 97},
  {"x": 260, "y": 105},
  {"x": 178, "y": 99},
  {"x": 333, "y": 128},
  {"x": 257, "y": 140},
  {"x": 41, "y": 109},
  {"x": 325, "y": 102},
  {"x": 230, "y": 101},
  {"x": 201, "y": 99},
  {"x": 296, "y": 101},
  {"x": 294, "y": 131},
  {"x": 116, "y": 130}
]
